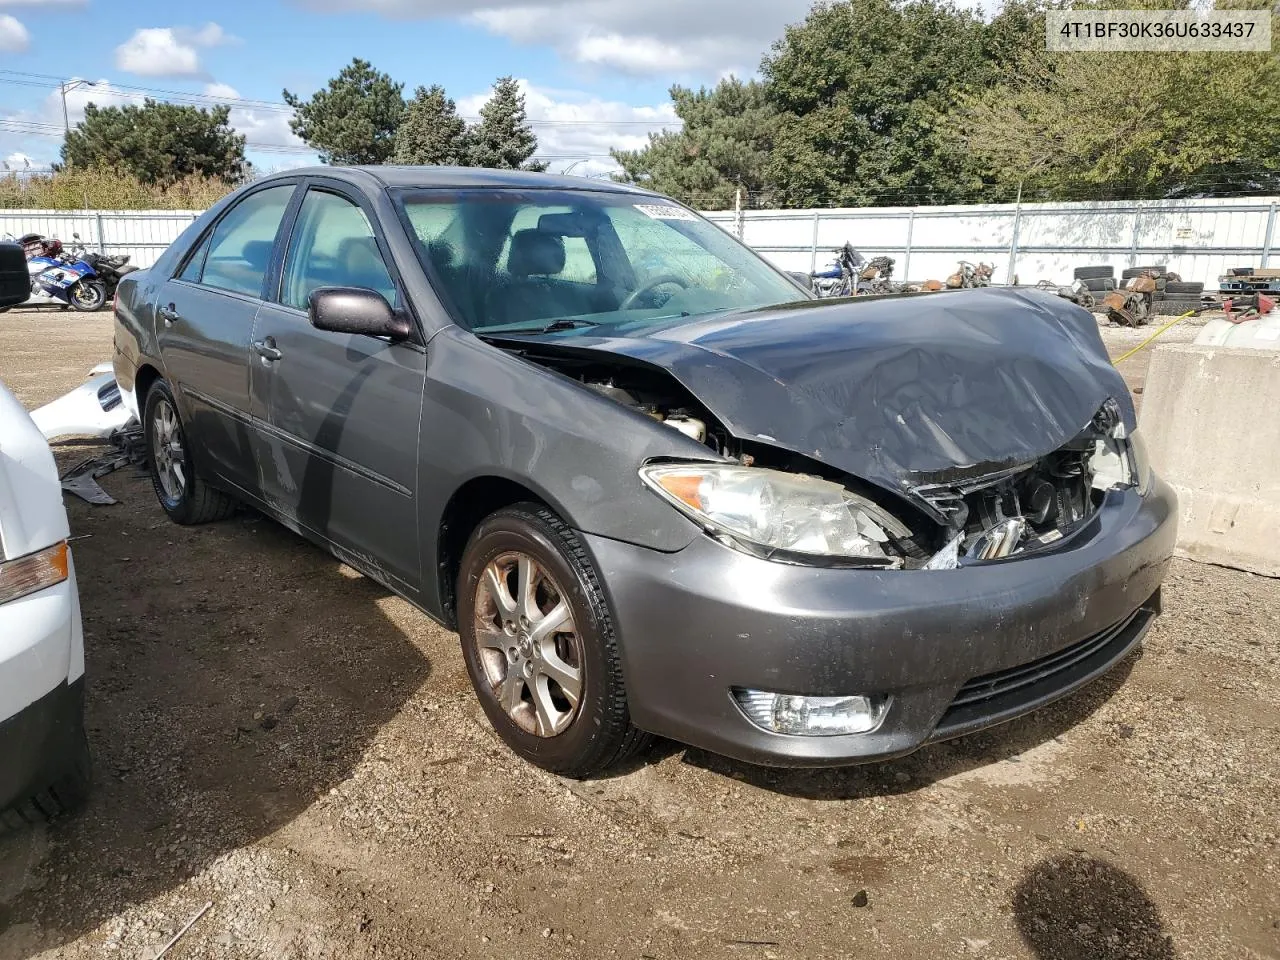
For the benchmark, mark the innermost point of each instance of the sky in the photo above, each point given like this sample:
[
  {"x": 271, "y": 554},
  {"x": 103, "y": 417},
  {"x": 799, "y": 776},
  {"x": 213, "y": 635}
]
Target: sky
[{"x": 595, "y": 72}]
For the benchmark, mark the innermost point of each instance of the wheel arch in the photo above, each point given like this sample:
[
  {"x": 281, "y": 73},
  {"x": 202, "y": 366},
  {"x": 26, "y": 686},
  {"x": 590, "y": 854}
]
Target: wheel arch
[
  {"x": 471, "y": 502},
  {"x": 143, "y": 380}
]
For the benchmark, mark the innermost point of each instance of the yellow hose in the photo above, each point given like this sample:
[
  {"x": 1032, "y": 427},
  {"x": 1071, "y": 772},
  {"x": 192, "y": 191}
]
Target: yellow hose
[{"x": 1118, "y": 360}]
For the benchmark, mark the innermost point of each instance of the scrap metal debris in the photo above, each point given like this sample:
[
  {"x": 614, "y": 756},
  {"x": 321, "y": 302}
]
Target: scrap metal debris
[{"x": 82, "y": 479}]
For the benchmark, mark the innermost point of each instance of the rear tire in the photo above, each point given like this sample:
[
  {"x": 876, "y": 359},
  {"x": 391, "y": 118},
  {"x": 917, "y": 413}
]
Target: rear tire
[
  {"x": 1183, "y": 286},
  {"x": 185, "y": 496},
  {"x": 537, "y": 717},
  {"x": 1132, "y": 272}
]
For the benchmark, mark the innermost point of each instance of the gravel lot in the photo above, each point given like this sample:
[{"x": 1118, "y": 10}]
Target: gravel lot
[{"x": 279, "y": 736}]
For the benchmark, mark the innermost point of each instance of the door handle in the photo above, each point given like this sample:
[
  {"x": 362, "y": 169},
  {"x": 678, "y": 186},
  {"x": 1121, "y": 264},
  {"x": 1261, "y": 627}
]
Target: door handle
[
  {"x": 169, "y": 315},
  {"x": 267, "y": 350}
]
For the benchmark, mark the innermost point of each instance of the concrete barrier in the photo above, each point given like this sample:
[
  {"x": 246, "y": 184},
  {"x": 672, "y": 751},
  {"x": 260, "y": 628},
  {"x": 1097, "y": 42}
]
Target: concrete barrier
[{"x": 1211, "y": 419}]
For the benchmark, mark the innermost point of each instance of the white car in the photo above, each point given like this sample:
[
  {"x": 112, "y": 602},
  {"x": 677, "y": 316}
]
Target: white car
[{"x": 44, "y": 756}]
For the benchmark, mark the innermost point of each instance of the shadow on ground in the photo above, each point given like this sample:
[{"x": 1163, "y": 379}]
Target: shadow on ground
[
  {"x": 1075, "y": 906},
  {"x": 235, "y": 673},
  {"x": 1006, "y": 742}
]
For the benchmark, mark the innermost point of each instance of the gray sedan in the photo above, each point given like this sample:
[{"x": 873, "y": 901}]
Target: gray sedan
[{"x": 654, "y": 486}]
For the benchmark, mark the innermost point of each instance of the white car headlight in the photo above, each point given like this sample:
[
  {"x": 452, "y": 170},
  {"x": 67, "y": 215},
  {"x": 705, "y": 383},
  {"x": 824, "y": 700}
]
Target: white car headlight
[
  {"x": 783, "y": 516},
  {"x": 36, "y": 571}
]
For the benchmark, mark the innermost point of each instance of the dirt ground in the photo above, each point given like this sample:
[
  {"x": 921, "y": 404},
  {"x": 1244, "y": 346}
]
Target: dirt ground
[{"x": 276, "y": 735}]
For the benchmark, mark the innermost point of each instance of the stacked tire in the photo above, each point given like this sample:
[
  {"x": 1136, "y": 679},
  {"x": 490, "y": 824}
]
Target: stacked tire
[
  {"x": 1177, "y": 298},
  {"x": 1097, "y": 280}
]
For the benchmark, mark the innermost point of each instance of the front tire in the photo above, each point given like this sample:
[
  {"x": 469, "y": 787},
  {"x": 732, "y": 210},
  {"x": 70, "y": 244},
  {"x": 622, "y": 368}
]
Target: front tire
[
  {"x": 540, "y": 645},
  {"x": 89, "y": 296},
  {"x": 183, "y": 493}
]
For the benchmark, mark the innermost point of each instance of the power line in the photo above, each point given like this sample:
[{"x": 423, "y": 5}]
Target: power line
[{"x": 23, "y": 79}]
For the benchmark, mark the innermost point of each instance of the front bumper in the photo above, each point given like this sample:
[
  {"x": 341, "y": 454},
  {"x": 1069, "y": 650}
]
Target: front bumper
[{"x": 957, "y": 650}]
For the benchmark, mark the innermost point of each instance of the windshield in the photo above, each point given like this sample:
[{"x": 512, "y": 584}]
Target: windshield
[{"x": 526, "y": 260}]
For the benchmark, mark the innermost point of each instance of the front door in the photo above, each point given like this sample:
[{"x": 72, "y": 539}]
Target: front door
[
  {"x": 204, "y": 322},
  {"x": 339, "y": 448}
]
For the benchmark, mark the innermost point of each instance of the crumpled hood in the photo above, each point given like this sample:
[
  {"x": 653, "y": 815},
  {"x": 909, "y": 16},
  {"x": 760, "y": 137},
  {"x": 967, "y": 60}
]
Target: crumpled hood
[{"x": 899, "y": 391}]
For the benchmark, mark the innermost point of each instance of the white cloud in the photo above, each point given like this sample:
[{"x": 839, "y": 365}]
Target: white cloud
[
  {"x": 13, "y": 35},
  {"x": 222, "y": 90},
  {"x": 18, "y": 161},
  {"x": 705, "y": 39},
  {"x": 608, "y": 125},
  {"x": 168, "y": 51},
  {"x": 264, "y": 128}
]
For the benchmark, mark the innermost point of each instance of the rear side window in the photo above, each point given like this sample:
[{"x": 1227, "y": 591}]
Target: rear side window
[{"x": 240, "y": 247}]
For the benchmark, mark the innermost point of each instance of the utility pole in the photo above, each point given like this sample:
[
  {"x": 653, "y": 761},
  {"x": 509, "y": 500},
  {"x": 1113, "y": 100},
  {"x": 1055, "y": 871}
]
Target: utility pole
[{"x": 63, "y": 88}]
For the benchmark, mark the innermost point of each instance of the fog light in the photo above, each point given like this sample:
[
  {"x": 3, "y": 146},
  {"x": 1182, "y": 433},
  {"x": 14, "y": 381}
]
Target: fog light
[{"x": 811, "y": 716}]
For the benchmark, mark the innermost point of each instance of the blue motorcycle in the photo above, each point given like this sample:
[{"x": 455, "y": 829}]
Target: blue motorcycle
[
  {"x": 62, "y": 279},
  {"x": 69, "y": 279}
]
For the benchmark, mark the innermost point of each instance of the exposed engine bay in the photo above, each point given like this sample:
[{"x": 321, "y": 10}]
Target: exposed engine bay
[{"x": 1017, "y": 510}]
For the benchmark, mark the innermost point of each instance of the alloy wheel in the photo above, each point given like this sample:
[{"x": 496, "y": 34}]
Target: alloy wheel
[
  {"x": 528, "y": 644},
  {"x": 167, "y": 450}
]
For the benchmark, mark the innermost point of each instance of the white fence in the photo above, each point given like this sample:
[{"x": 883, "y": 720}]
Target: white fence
[
  {"x": 1199, "y": 239},
  {"x": 142, "y": 234},
  {"x": 1033, "y": 241}
]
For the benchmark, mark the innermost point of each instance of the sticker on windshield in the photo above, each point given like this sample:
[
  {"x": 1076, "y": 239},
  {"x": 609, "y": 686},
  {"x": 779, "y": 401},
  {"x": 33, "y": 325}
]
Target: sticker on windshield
[{"x": 662, "y": 211}]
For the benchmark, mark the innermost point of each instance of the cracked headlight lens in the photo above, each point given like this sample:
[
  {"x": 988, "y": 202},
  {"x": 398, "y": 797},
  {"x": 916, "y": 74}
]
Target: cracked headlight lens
[
  {"x": 779, "y": 515},
  {"x": 1121, "y": 461}
]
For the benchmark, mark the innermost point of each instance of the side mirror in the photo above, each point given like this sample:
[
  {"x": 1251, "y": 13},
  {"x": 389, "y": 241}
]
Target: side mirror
[{"x": 355, "y": 310}]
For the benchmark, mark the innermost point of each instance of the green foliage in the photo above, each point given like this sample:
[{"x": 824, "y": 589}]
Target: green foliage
[
  {"x": 157, "y": 143},
  {"x": 724, "y": 144},
  {"x": 431, "y": 132},
  {"x": 503, "y": 138},
  {"x": 863, "y": 88},
  {"x": 353, "y": 120},
  {"x": 1129, "y": 125}
]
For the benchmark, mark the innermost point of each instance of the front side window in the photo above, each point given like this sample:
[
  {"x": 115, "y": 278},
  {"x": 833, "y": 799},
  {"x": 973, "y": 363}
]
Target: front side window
[
  {"x": 333, "y": 245},
  {"x": 240, "y": 247},
  {"x": 519, "y": 260}
]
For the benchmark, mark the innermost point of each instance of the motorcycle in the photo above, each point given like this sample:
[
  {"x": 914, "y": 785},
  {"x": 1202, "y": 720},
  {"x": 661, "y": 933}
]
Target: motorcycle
[
  {"x": 850, "y": 273},
  {"x": 838, "y": 278},
  {"x": 61, "y": 279},
  {"x": 110, "y": 269}
]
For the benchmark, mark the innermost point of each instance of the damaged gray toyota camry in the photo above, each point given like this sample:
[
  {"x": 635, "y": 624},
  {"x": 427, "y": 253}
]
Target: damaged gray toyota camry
[{"x": 654, "y": 486}]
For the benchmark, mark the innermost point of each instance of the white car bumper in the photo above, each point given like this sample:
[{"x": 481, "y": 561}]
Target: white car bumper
[{"x": 41, "y": 644}]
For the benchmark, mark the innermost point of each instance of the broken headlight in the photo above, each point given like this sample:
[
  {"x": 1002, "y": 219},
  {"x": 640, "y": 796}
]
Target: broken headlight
[
  {"x": 1120, "y": 460},
  {"x": 777, "y": 515}
]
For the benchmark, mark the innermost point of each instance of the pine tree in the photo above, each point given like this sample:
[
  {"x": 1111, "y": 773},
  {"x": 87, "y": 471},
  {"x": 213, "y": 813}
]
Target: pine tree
[
  {"x": 354, "y": 119},
  {"x": 503, "y": 137},
  {"x": 431, "y": 132}
]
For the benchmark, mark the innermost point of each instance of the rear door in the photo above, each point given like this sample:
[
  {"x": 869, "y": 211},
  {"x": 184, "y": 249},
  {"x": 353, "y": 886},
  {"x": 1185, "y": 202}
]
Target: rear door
[
  {"x": 339, "y": 451},
  {"x": 204, "y": 322}
]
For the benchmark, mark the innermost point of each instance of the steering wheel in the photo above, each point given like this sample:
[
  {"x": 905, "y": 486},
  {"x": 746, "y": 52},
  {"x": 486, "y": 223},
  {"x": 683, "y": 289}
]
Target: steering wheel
[{"x": 661, "y": 280}]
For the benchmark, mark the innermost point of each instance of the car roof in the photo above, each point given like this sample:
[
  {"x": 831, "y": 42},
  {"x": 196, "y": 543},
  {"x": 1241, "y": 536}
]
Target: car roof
[{"x": 395, "y": 176}]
